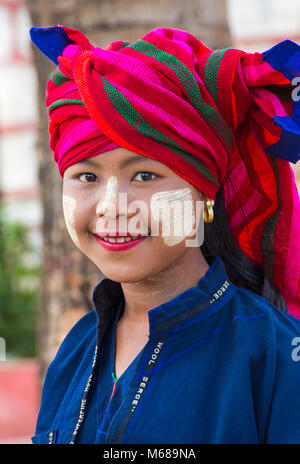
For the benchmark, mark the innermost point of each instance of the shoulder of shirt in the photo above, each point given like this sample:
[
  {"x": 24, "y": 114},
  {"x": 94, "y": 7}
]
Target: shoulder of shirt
[
  {"x": 268, "y": 334},
  {"x": 249, "y": 305},
  {"x": 86, "y": 322},
  {"x": 76, "y": 350},
  {"x": 81, "y": 337}
]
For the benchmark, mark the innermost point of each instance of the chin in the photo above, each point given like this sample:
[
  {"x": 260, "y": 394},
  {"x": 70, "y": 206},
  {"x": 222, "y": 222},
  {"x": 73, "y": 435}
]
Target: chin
[
  {"x": 126, "y": 275},
  {"x": 129, "y": 275},
  {"x": 124, "y": 279}
]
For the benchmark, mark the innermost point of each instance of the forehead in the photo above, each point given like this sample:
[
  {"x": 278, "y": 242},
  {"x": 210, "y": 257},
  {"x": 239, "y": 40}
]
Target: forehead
[{"x": 119, "y": 159}]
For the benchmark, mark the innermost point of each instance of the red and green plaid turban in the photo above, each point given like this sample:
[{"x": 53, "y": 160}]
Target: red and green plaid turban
[{"x": 216, "y": 117}]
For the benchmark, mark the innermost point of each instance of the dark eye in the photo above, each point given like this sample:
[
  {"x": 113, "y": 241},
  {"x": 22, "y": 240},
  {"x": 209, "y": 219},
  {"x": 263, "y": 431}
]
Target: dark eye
[
  {"x": 145, "y": 175},
  {"x": 86, "y": 177}
]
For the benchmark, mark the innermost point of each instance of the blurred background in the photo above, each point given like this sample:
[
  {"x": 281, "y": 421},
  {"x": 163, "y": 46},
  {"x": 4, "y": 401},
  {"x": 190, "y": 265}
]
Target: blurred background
[{"x": 45, "y": 282}]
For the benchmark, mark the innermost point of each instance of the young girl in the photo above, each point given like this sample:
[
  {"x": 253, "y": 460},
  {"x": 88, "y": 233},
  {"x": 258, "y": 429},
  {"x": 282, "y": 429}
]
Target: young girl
[{"x": 192, "y": 339}]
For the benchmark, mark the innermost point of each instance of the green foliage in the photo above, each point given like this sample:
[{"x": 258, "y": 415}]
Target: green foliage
[{"x": 18, "y": 289}]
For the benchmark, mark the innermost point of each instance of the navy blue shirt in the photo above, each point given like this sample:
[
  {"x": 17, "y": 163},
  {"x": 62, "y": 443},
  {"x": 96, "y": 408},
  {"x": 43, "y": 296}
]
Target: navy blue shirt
[{"x": 222, "y": 365}]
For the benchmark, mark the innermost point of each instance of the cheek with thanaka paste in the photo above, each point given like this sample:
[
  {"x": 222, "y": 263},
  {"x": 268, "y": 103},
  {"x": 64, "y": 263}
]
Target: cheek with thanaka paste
[
  {"x": 69, "y": 207},
  {"x": 175, "y": 210}
]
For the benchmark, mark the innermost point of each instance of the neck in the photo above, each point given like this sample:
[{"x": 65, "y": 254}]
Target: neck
[{"x": 160, "y": 288}]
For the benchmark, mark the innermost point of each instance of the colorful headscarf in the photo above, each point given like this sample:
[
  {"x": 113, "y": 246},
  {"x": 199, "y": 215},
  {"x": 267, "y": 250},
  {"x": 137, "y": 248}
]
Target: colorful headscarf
[{"x": 216, "y": 117}]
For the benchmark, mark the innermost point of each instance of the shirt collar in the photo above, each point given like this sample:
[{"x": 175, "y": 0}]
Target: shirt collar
[{"x": 212, "y": 290}]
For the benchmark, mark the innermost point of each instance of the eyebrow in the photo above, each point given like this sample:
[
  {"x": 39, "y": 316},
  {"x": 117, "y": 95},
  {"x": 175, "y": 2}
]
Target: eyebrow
[{"x": 124, "y": 163}]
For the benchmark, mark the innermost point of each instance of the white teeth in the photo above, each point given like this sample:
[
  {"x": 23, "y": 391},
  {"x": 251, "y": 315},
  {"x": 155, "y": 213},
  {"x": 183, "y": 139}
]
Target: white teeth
[{"x": 120, "y": 240}]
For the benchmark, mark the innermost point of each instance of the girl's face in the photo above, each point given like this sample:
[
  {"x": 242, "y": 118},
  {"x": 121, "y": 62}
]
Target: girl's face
[{"x": 98, "y": 196}]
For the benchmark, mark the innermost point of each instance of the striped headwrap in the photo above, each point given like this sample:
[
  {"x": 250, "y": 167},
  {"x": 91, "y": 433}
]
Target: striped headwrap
[{"x": 216, "y": 117}]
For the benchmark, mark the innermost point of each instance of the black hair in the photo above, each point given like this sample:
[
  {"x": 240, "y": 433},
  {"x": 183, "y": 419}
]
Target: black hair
[{"x": 242, "y": 270}]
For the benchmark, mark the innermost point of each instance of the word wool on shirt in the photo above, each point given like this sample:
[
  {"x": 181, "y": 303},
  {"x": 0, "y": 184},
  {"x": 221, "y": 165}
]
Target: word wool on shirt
[{"x": 155, "y": 353}]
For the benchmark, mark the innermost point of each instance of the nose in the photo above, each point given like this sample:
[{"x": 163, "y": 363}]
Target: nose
[
  {"x": 114, "y": 202},
  {"x": 118, "y": 211},
  {"x": 109, "y": 201}
]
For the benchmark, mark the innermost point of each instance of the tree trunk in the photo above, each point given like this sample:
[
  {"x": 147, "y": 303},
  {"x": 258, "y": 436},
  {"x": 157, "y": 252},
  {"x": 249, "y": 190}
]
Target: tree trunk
[{"x": 67, "y": 275}]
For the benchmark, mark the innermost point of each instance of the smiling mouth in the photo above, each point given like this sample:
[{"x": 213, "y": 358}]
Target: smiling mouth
[{"x": 119, "y": 238}]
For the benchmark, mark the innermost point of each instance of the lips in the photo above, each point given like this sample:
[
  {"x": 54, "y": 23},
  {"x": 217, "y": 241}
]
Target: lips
[
  {"x": 120, "y": 246},
  {"x": 119, "y": 235}
]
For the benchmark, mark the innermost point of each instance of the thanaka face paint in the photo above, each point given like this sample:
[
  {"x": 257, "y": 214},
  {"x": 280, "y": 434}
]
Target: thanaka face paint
[
  {"x": 69, "y": 207},
  {"x": 175, "y": 210},
  {"x": 108, "y": 204},
  {"x": 111, "y": 189}
]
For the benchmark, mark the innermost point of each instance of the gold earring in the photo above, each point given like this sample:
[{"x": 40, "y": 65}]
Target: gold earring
[{"x": 208, "y": 212}]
